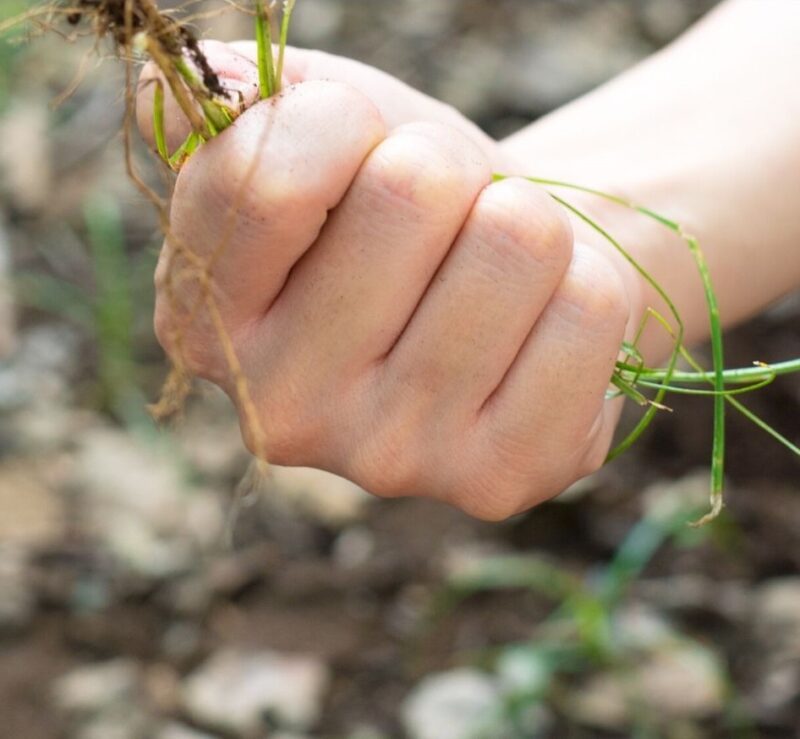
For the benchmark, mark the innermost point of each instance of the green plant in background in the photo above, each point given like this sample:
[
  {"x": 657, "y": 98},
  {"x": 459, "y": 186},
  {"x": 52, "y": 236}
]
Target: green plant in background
[
  {"x": 113, "y": 307},
  {"x": 107, "y": 311},
  {"x": 586, "y": 632}
]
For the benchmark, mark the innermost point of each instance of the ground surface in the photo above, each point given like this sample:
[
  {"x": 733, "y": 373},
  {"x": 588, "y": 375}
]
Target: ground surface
[{"x": 115, "y": 591}]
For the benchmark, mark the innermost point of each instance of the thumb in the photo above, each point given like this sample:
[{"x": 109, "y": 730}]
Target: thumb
[{"x": 397, "y": 102}]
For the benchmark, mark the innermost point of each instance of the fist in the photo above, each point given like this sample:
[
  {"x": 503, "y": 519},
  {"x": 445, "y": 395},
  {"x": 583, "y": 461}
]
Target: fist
[{"x": 400, "y": 319}]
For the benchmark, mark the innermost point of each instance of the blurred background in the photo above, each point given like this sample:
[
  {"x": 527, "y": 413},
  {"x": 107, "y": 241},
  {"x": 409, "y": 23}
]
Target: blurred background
[{"x": 125, "y": 615}]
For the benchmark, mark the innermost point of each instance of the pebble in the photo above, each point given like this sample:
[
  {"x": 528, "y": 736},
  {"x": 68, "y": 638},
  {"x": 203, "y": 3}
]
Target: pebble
[
  {"x": 777, "y": 614},
  {"x": 7, "y": 310},
  {"x": 237, "y": 691},
  {"x": 682, "y": 680},
  {"x": 450, "y": 705},
  {"x": 92, "y": 689},
  {"x": 139, "y": 505},
  {"x": 17, "y": 601},
  {"x": 179, "y": 731},
  {"x": 315, "y": 494}
]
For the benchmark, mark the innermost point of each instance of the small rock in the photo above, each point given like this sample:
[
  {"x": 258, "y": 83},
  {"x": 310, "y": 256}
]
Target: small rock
[
  {"x": 242, "y": 691},
  {"x": 451, "y": 705},
  {"x": 24, "y": 155},
  {"x": 638, "y": 627},
  {"x": 17, "y": 601},
  {"x": 179, "y": 731},
  {"x": 7, "y": 313},
  {"x": 140, "y": 506},
  {"x": 353, "y": 548},
  {"x": 776, "y": 620},
  {"x": 210, "y": 438},
  {"x": 319, "y": 495},
  {"x": 680, "y": 681},
  {"x": 366, "y": 732},
  {"x": 92, "y": 689},
  {"x": 32, "y": 512},
  {"x": 38, "y": 372},
  {"x": 666, "y": 500},
  {"x": 777, "y": 614},
  {"x": 524, "y": 670},
  {"x": 119, "y": 722}
]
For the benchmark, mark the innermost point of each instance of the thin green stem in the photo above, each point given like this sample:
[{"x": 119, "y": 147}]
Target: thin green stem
[
  {"x": 731, "y": 376},
  {"x": 288, "y": 8},
  {"x": 694, "y": 391},
  {"x": 718, "y": 446},
  {"x": 747, "y": 413},
  {"x": 266, "y": 65},
  {"x": 656, "y": 404},
  {"x": 158, "y": 121}
]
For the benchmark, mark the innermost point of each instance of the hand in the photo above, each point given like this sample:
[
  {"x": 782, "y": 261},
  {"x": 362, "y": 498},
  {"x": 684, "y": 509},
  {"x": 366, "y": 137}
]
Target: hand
[{"x": 400, "y": 319}]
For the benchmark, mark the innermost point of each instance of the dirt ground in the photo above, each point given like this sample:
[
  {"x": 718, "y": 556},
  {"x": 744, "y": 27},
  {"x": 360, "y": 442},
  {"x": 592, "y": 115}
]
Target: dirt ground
[{"x": 111, "y": 545}]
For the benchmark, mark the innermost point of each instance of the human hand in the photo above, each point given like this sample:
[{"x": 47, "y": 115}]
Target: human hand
[{"x": 400, "y": 319}]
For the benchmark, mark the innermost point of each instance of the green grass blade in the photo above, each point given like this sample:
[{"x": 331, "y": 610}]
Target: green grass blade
[
  {"x": 741, "y": 375},
  {"x": 113, "y": 306},
  {"x": 718, "y": 444},
  {"x": 158, "y": 121},
  {"x": 747, "y": 413},
  {"x": 288, "y": 9},
  {"x": 266, "y": 65},
  {"x": 656, "y": 404},
  {"x": 678, "y": 390}
]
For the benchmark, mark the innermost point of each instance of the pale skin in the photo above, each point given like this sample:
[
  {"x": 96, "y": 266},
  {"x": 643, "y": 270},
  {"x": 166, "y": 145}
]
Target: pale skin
[{"x": 407, "y": 323}]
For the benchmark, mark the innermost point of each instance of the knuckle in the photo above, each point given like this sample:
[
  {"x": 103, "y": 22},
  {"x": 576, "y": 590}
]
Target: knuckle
[
  {"x": 292, "y": 430},
  {"x": 492, "y": 498},
  {"x": 507, "y": 476},
  {"x": 387, "y": 463},
  {"x": 278, "y": 162},
  {"x": 425, "y": 164},
  {"x": 523, "y": 225},
  {"x": 592, "y": 293}
]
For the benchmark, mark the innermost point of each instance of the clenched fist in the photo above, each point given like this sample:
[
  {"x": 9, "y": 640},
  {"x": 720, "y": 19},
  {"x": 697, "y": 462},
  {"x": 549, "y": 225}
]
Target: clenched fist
[{"x": 401, "y": 319}]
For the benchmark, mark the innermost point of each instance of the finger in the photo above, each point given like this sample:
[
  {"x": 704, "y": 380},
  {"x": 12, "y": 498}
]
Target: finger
[
  {"x": 252, "y": 200},
  {"x": 350, "y": 297},
  {"x": 498, "y": 278},
  {"x": 547, "y": 418},
  {"x": 237, "y": 74},
  {"x": 398, "y": 102}
]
